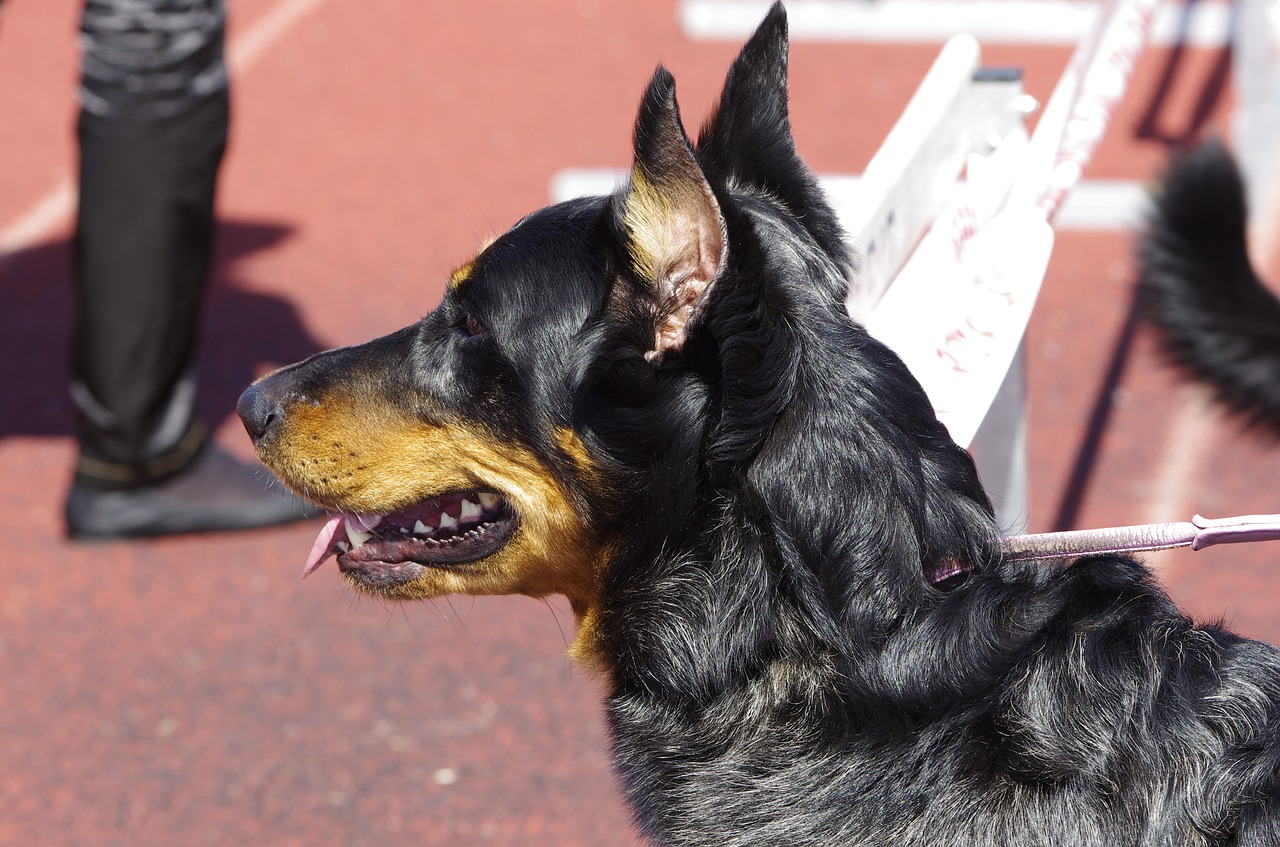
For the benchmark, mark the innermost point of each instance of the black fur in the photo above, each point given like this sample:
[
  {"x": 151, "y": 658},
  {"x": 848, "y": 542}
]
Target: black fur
[
  {"x": 773, "y": 497},
  {"x": 1216, "y": 318}
]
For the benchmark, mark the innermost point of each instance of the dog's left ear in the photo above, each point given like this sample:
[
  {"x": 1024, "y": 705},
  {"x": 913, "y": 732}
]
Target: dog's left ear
[
  {"x": 747, "y": 140},
  {"x": 670, "y": 220}
]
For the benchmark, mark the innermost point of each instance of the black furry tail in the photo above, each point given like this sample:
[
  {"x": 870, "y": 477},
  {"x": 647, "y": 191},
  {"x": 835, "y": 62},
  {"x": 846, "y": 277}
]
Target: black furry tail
[{"x": 1216, "y": 318}]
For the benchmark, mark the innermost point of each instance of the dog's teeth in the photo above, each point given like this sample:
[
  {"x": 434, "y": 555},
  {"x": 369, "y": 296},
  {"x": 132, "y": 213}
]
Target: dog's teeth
[
  {"x": 447, "y": 522},
  {"x": 344, "y": 547},
  {"x": 469, "y": 510},
  {"x": 420, "y": 528},
  {"x": 489, "y": 501},
  {"x": 355, "y": 536},
  {"x": 363, "y": 522}
]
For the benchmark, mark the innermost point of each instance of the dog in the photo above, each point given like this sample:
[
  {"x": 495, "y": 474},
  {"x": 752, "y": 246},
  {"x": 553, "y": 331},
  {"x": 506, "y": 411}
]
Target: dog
[
  {"x": 785, "y": 572},
  {"x": 1215, "y": 317}
]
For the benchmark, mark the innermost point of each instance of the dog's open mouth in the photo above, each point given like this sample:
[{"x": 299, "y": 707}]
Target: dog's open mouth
[{"x": 452, "y": 529}]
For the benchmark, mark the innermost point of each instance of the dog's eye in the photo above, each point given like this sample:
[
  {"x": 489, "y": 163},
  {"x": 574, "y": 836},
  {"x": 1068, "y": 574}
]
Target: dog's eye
[{"x": 469, "y": 325}]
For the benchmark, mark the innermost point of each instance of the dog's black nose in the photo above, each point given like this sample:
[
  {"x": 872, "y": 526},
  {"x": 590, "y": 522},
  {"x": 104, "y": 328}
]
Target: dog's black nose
[{"x": 259, "y": 411}]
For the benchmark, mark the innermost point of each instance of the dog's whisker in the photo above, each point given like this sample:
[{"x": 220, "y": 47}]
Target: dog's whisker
[
  {"x": 555, "y": 615},
  {"x": 459, "y": 625},
  {"x": 404, "y": 613}
]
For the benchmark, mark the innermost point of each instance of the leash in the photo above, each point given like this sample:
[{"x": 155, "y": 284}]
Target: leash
[{"x": 1197, "y": 534}]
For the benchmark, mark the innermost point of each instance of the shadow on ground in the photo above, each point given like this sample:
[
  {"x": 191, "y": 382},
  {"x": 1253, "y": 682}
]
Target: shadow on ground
[{"x": 243, "y": 331}]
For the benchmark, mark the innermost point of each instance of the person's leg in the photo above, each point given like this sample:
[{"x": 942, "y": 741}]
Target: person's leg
[
  {"x": 143, "y": 240},
  {"x": 152, "y": 129}
]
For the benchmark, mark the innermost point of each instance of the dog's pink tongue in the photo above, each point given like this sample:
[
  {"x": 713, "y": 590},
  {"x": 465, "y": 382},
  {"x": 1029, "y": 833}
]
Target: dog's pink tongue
[{"x": 323, "y": 547}]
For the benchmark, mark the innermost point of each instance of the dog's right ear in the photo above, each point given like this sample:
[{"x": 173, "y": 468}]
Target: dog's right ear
[{"x": 668, "y": 217}]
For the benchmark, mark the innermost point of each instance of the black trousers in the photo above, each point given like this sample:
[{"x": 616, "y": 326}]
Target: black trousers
[{"x": 149, "y": 159}]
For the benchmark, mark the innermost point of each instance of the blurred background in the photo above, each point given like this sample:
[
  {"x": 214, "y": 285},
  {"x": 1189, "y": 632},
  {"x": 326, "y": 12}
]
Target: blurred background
[{"x": 193, "y": 691}]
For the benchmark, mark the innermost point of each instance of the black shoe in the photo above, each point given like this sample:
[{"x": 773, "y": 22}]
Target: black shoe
[{"x": 215, "y": 493}]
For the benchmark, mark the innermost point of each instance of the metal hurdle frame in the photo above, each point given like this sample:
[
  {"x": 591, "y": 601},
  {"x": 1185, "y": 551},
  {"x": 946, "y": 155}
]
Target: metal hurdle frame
[
  {"x": 960, "y": 198},
  {"x": 960, "y": 112}
]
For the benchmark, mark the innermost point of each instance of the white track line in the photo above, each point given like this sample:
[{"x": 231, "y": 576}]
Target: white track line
[
  {"x": 244, "y": 51},
  {"x": 1189, "y": 437},
  {"x": 1048, "y": 22},
  {"x": 1264, "y": 240},
  {"x": 1187, "y": 441},
  {"x": 40, "y": 220},
  {"x": 51, "y": 211},
  {"x": 1094, "y": 205}
]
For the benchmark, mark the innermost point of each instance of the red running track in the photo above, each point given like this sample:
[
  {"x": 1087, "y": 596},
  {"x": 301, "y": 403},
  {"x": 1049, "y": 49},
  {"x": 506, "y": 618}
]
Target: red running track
[{"x": 192, "y": 691}]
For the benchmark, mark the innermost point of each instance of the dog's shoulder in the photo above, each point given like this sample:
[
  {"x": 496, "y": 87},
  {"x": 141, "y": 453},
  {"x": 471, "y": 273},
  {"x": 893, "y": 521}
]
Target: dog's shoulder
[{"x": 1115, "y": 681}]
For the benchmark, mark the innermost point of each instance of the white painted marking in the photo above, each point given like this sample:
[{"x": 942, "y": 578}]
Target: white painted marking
[
  {"x": 1048, "y": 22},
  {"x": 52, "y": 210},
  {"x": 267, "y": 31},
  {"x": 1104, "y": 204},
  {"x": 1188, "y": 439},
  {"x": 41, "y": 219},
  {"x": 1094, "y": 205},
  {"x": 585, "y": 182}
]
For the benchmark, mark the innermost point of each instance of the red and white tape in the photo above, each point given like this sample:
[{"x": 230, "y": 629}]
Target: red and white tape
[{"x": 960, "y": 306}]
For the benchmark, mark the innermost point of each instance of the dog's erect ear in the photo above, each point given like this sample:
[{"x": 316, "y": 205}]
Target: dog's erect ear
[
  {"x": 670, "y": 219},
  {"x": 748, "y": 136},
  {"x": 747, "y": 140}
]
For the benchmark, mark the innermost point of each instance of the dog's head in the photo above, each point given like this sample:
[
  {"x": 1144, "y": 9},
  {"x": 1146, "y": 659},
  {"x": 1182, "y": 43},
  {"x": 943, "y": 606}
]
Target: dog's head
[{"x": 605, "y": 376}]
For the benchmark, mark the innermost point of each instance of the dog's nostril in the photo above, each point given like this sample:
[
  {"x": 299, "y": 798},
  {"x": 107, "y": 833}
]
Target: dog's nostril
[{"x": 259, "y": 412}]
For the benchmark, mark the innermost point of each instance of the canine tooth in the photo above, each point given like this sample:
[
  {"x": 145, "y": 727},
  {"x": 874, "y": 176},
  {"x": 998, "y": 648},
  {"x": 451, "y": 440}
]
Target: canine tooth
[
  {"x": 469, "y": 510},
  {"x": 489, "y": 501},
  {"x": 344, "y": 547},
  {"x": 420, "y": 528},
  {"x": 356, "y": 537},
  {"x": 446, "y": 521},
  {"x": 366, "y": 523}
]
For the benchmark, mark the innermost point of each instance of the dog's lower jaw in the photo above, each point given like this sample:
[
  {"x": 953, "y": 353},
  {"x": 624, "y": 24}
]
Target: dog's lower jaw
[{"x": 525, "y": 565}]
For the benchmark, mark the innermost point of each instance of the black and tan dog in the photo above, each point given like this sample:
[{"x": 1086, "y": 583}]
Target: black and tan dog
[{"x": 785, "y": 571}]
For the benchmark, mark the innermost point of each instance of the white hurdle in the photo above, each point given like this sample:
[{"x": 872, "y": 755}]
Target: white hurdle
[
  {"x": 952, "y": 216},
  {"x": 957, "y": 309},
  {"x": 961, "y": 131}
]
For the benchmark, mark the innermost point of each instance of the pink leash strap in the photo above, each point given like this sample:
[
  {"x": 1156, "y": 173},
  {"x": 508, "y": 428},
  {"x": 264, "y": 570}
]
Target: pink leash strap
[{"x": 1197, "y": 533}]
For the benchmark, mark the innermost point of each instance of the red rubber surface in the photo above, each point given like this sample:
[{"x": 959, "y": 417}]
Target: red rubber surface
[{"x": 192, "y": 691}]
